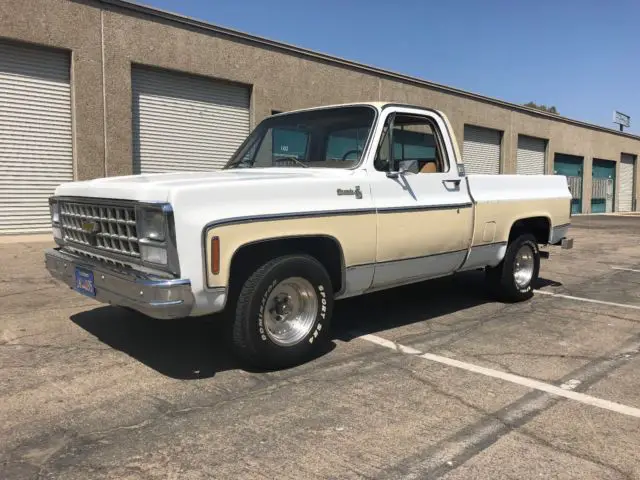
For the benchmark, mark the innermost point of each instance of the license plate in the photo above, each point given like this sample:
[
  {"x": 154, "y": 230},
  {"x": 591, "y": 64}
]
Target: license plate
[{"x": 84, "y": 282}]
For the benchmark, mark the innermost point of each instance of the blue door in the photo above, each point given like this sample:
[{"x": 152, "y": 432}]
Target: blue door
[
  {"x": 603, "y": 181},
  {"x": 571, "y": 166}
]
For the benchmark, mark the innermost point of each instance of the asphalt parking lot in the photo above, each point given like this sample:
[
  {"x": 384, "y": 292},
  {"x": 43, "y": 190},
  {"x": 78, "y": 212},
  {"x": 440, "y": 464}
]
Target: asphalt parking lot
[{"x": 428, "y": 381}]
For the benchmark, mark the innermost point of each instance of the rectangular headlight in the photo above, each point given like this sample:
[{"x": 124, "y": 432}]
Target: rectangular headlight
[
  {"x": 55, "y": 212},
  {"x": 152, "y": 224}
]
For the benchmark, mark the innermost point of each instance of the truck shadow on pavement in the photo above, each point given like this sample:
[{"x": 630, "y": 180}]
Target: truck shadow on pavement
[
  {"x": 195, "y": 348},
  {"x": 424, "y": 301},
  {"x": 184, "y": 349}
]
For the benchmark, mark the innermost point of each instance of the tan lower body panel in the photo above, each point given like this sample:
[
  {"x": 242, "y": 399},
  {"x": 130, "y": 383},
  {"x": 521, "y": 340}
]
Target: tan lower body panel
[
  {"x": 505, "y": 213},
  {"x": 420, "y": 233},
  {"x": 370, "y": 238},
  {"x": 355, "y": 233}
]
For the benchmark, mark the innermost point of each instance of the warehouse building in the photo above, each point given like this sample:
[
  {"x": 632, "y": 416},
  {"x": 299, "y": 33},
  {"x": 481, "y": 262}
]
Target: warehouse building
[{"x": 93, "y": 88}]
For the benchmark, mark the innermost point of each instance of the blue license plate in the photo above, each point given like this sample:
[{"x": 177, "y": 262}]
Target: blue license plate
[{"x": 84, "y": 282}]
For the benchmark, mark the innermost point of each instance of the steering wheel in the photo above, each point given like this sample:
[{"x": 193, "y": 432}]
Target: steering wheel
[{"x": 348, "y": 152}]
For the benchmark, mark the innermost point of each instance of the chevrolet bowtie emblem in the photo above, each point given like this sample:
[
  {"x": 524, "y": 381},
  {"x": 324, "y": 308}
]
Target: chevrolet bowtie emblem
[{"x": 90, "y": 227}]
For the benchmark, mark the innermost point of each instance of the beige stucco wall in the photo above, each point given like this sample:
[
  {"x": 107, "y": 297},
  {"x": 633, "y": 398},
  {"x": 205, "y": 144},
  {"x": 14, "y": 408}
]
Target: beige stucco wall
[{"x": 278, "y": 80}]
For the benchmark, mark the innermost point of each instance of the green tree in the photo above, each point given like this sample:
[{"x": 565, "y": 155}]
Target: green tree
[{"x": 544, "y": 108}]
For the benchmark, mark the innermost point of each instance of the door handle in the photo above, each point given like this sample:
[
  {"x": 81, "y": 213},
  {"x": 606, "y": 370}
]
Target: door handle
[{"x": 455, "y": 181}]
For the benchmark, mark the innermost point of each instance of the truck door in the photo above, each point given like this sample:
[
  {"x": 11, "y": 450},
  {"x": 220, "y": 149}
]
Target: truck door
[{"x": 424, "y": 211}]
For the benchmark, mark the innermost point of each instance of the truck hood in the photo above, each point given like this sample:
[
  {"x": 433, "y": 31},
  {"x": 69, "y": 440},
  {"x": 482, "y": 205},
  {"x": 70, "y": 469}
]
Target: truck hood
[{"x": 159, "y": 187}]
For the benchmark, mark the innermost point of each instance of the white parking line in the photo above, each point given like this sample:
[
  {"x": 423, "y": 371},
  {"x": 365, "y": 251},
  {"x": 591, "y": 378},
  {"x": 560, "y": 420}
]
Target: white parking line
[
  {"x": 625, "y": 269},
  {"x": 589, "y": 300},
  {"x": 565, "y": 392}
]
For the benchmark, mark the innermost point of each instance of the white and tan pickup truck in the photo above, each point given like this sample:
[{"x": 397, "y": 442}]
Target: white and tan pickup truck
[{"x": 316, "y": 205}]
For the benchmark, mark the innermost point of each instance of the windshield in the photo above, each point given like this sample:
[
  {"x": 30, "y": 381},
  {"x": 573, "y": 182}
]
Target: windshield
[{"x": 326, "y": 138}]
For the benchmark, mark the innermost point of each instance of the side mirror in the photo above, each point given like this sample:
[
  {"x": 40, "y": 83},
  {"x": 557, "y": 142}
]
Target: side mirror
[{"x": 399, "y": 173}]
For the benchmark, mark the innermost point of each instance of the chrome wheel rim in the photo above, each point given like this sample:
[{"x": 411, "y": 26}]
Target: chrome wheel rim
[
  {"x": 290, "y": 311},
  {"x": 523, "y": 270}
]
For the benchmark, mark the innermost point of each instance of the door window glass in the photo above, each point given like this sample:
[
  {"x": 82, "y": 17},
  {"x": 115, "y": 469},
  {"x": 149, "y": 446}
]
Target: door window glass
[{"x": 415, "y": 148}]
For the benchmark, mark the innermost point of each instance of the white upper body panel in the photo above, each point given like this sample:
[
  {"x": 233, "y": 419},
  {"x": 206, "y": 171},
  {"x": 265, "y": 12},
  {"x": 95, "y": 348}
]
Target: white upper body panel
[
  {"x": 500, "y": 188},
  {"x": 161, "y": 187}
]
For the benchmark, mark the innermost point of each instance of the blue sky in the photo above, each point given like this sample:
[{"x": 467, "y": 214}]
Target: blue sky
[{"x": 583, "y": 56}]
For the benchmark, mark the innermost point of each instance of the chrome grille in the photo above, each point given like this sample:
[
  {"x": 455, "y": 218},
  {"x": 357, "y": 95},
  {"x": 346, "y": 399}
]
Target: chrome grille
[
  {"x": 101, "y": 258},
  {"x": 110, "y": 228}
]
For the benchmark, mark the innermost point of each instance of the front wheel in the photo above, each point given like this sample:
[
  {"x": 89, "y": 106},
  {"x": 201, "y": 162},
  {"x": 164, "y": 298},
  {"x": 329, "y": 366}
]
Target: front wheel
[
  {"x": 514, "y": 278},
  {"x": 283, "y": 312}
]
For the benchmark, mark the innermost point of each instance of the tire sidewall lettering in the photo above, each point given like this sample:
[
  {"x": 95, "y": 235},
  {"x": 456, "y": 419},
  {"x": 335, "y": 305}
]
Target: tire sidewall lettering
[
  {"x": 261, "y": 309},
  {"x": 321, "y": 314}
]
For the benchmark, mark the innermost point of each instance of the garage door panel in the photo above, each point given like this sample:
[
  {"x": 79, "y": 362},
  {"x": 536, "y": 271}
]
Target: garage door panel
[
  {"x": 163, "y": 99},
  {"x": 185, "y": 117},
  {"x": 184, "y": 89},
  {"x": 51, "y": 99},
  {"x": 627, "y": 175},
  {"x": 36, "y": 145},
  {"x": 481, "y": 150},
  {"x": 530, "y": 156},
  {"x": 183, "y": 122},
  {"x": 51, "y": 75}
]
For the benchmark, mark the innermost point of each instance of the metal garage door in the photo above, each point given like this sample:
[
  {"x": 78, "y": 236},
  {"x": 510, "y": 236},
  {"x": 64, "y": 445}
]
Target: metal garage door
[
  {"x": 530, "y": 155},
  {"x": 571, "y": 166},
  {"x": 603, "y": 182},
  {"x": 627, "y": 172},
  {"x": 481, "y": 150},
  {"x": 36, "y": 152},
  {"x": 183, "y": 122}
]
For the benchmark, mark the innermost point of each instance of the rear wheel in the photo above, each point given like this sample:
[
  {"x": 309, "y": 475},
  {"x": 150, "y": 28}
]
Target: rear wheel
[
  {"x": 283, "y": 312},
  {"x": 514, "y": 278}
]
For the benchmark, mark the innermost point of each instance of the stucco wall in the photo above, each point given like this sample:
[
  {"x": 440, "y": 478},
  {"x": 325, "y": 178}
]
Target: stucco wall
[{"x": 280, "y": 80}]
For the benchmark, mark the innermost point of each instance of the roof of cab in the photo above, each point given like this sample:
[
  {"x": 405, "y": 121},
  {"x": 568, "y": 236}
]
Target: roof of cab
[{"x": 376, "y": 104}]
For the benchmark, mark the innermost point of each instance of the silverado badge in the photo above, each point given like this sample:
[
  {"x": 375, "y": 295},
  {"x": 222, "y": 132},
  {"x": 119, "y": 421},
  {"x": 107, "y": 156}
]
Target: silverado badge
[{"x": 350, "y": 191}]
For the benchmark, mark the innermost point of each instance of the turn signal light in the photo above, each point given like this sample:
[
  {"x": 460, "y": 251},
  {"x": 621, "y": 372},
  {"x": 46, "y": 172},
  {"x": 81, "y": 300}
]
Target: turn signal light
[{"x": 215, "y": 255}]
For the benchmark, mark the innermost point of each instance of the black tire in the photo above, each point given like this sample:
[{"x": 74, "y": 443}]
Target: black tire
[
  {"x": 251, "y": 343},
  {"x": 501, "y": 278}
]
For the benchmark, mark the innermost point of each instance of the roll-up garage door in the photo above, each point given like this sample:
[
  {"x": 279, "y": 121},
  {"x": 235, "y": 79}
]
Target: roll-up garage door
[
  {"x": 481, "y": 150},
  {"x": 627, "y": 173},
  {"x": 530, "y": 155},
  {"x": 36, "y": 152},
  {"x": 183, "y": 122}
]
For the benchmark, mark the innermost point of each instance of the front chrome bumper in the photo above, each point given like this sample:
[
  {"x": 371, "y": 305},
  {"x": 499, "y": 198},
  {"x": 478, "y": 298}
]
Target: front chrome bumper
[{"x": 157, "y": 298}]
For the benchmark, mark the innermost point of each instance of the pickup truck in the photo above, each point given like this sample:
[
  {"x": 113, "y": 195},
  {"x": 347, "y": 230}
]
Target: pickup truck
[{"x": 316, "y": 205}]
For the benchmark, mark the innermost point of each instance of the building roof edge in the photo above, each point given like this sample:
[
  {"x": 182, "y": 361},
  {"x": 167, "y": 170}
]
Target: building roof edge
[{"x": 237, "y": 34}]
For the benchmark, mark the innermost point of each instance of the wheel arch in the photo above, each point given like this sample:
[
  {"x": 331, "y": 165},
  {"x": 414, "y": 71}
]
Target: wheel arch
[
  {"x": 327, "y": 249},
  {"x": 538, "y": 225}
]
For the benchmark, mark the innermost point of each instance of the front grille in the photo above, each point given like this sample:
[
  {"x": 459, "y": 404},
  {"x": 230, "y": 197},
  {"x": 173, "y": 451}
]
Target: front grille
[
  {"x": 108, "y": 228},
  {"x": 102, "y": 259}
]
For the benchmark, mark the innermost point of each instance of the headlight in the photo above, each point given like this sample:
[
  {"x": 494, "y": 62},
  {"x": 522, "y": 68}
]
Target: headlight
[
  {"x": 156, "y": 236},
  {"x": 55, "y": 212},
  {"x": 152, "y": 224}
]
